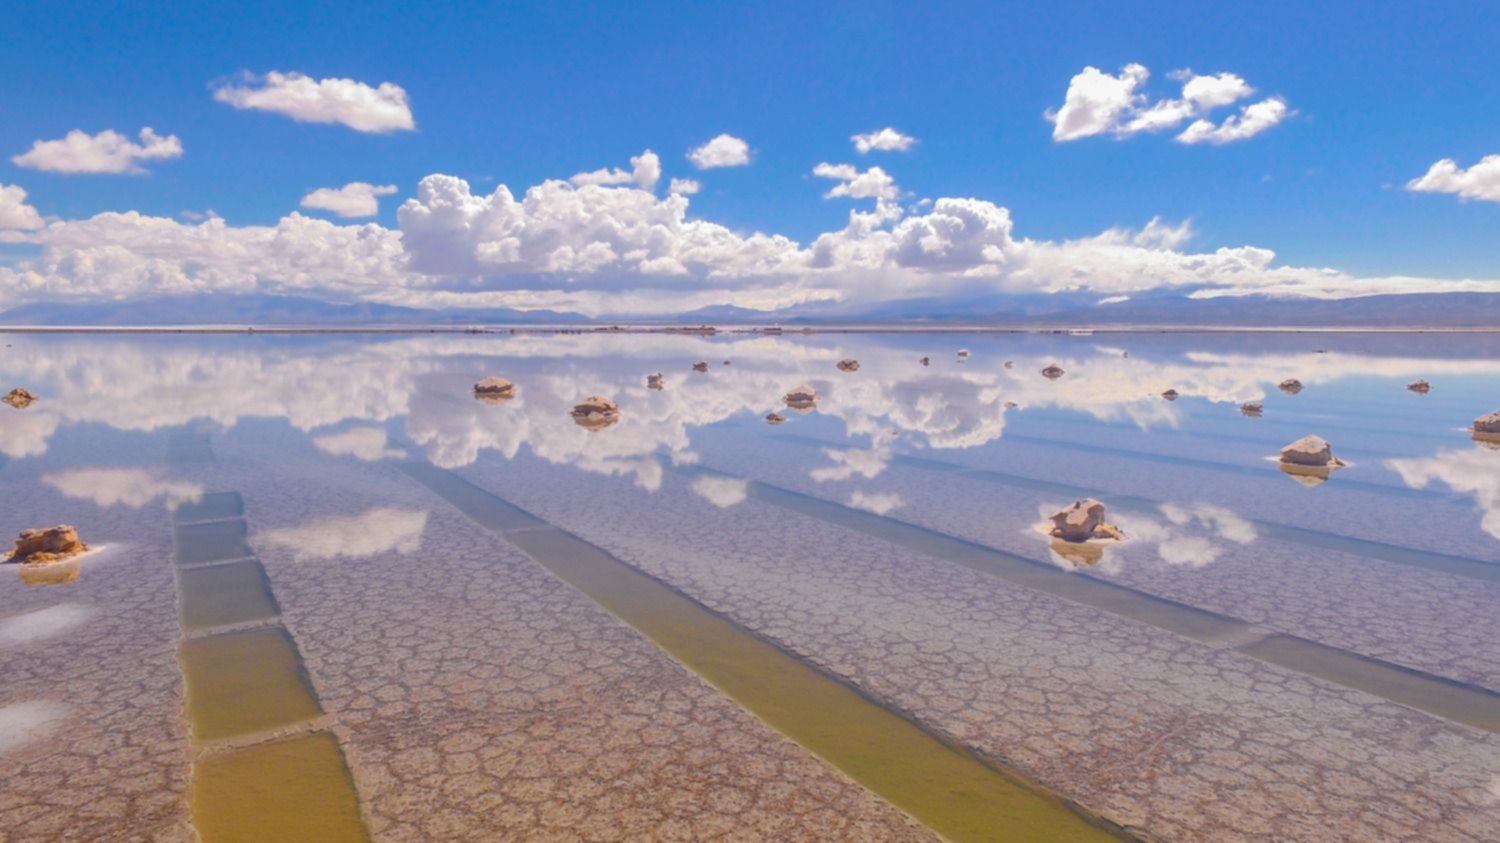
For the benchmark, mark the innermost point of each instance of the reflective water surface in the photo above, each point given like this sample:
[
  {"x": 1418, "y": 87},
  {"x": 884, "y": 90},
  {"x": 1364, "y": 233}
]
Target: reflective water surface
[{"x": 482, "y": 619}]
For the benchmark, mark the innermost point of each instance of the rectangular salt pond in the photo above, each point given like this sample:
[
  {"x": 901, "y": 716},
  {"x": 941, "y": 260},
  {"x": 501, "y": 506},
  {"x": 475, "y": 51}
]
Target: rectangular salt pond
[{"x": 1253, "y": 628}]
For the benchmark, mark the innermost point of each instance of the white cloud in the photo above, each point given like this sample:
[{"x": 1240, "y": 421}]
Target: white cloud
[
  {"x": 130, "y": 487},
  {"x": 1472, "y": 471},
  {"x": 684, "y": 187},
  {"x": 645, "y": 172},
  {"x": 873, "y": 183},
  {"x": 1481, "y": 181},
  {"x": 304, "y": 99},
  {"x": 1251, "y": 121},
  {"x": 623, "y": 250},
  {"x": 14, "y": 212},
  {"x": 377, "y": 531},
  {"x": 1098, "y": 103},
  {"x": 107, "y": 152},
  {"x": 879, "y": 503},
  {"x": 723, "y": 151},
  {"x": 355, "y": 199},
  {"x": 362, "y": 443},
  {"x": 722, "y": 492},
  {"x": 884, "y": 140},
  {"x": 1209, "y": 92}
]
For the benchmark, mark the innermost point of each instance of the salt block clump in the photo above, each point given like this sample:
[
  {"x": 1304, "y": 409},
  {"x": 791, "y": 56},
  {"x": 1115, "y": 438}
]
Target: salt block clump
[
  {"x": 963, "y": 353},
  {"x": 775, "y": 418},
  {"x": 654, "y": 381},
  {"x": 1291, "y": 386},
  {"x": 596, "y": 412},
  {"x": 1082, "y": 521},
  {"x": 1311, "y": 451},
  {"x": 42, "y": 547},
  {"x": 700, "y": 366},
  {"x": 848, "y": 364},
  {"x": 1053, "y": 372},
  {"x": 1420, "y": 387},
  {"x": 800, "y": 397},
  {"x": 494, "y": 389},
  {"x": 1487, "y": 427},
  {"x": 20, "y": 398},
  {"x": 926, "y": 361},
  {"x": 1252, "y": 409},
  {"x": 1170, "y": 395}
]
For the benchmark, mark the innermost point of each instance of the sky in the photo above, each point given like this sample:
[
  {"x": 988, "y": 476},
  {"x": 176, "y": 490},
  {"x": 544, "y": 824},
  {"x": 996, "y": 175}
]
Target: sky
[{"x": 842, "y": 153}]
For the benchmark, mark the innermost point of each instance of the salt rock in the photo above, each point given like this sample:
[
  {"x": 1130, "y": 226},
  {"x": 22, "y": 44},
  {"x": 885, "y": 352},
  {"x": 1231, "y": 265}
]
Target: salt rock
[
  {"x": 1489, "y": 424},
  {"x": 801, "y": 396},
  {"x": 1310, "y": 450},
  {"x": 1082, "y": 521},
  {"x": 654, "y": 381},
  {"x": 40, "y": 547},
  {"x": 775, "y": 418},
  {"x": 20, "y": 398},
  {"x": 963, "y": 352},
  {"x": 926, "y": 362},
  {"x": 1170, "y": 395},
  {"x": 1420, "y": 387},
  {"x": 848, "y": 364},
  {"x": 1253, "y": 409},
  {"x": 1291, "y": 386},
  {"x": 1053, "y": 372},
  {"x": 494, "y": 389},
  {"x": 1009, "y": 364},
  {"x": 700, "y": 366},
  {"x": 596, "y": 412},
  {"x": 726, "y": 362}
]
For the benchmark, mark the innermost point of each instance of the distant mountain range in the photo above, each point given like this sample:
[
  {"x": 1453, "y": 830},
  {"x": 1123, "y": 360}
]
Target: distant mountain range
[{"x": 1447, "y": 310}]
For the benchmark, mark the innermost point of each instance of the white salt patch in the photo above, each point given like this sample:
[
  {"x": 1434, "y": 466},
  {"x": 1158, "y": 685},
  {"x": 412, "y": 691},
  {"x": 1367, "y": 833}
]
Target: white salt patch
[
  {"x": 41, "y": 624},
  {"x": 21, "y": 723}
]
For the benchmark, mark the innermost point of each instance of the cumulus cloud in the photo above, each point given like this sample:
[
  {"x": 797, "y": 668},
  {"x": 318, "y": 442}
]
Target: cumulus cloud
[
  {"x": 107, "y": 152},
  {"x": 883, "y": 140},
  {"x": 1099, "y": 103},
  {"x": 623, "y": 250},
  {"x": 14, "y": 212},
  {"x": 645, "y": 172},
  {"x": 1251, "y": 121},
  {"x": 873, "y": 183},
  {"x": 355, "y": 199},
  {"x": 722, "y": 492},
  {"x": 879, "y": 503},
  {"x": 685, "y": 187},
  {"x": 1481, "y": 181},
  {"x": 363, "y": 443},
  {"x": 377, "y": 531},
  {"x": 130, "y": 487},
  {"x": 723, "y": 151},
  {"x": 347, "y": 102},
  {"x": 1474, "y": 471}
]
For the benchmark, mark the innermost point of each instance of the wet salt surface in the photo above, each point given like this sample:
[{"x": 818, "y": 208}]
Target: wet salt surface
[{"x": 443, "y": 658}]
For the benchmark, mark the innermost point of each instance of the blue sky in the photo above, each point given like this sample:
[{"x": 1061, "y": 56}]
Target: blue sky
[{"x": 524, "y": 92}]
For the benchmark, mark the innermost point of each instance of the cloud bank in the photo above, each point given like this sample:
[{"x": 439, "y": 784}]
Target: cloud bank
[{"x": 608, "y": 242}]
